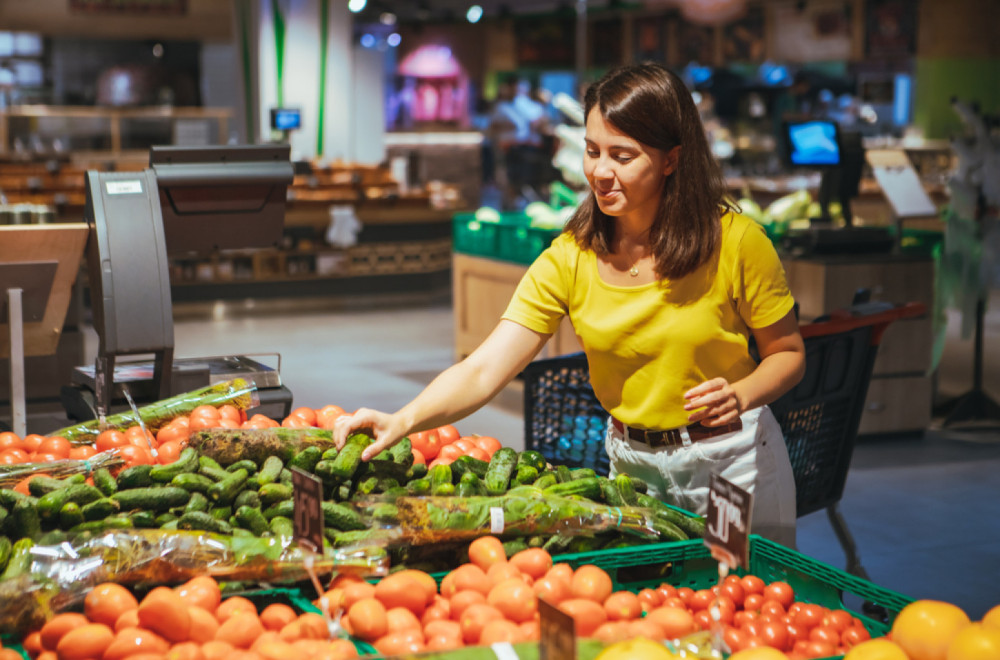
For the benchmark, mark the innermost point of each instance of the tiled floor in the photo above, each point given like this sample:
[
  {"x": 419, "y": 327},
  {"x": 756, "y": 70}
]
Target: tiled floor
[{"x": 925, "y": 512}]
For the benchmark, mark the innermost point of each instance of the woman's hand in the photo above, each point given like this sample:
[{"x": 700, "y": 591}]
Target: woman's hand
[
  {"x": 717, "y": 400},
  {"x": 386, "y": 430}
]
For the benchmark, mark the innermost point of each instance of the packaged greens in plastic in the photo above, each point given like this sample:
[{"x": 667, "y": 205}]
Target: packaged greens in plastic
[
  {"x": 238, "y": 392},
  {"x": 56, "y": 573},
  {"x": 11, "y": 475},
  {"x": 424, "y": 520}
]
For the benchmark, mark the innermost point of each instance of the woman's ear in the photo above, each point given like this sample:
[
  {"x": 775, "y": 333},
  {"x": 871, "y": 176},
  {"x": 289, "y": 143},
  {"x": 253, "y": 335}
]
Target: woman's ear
[{"x": 672, "y": 157}]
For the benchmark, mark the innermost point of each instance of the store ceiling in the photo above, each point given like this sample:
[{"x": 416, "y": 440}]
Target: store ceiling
[{"x": 410, "y": 11}]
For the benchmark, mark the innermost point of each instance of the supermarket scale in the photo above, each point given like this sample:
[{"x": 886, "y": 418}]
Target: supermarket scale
[{"x": 189, "y": 201}]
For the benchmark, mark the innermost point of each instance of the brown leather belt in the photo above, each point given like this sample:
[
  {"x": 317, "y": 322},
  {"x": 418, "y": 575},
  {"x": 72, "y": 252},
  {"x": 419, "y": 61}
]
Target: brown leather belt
[{"x": 673, "y": 437}]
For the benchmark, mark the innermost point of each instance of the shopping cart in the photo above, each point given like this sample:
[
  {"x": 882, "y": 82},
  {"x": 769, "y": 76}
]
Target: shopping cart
[{"x": 819, "y": 417}]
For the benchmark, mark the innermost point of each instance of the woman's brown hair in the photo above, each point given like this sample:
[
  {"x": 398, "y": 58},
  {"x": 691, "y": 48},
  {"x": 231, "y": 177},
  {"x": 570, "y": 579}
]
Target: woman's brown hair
[{"x": 652, "y": 105}]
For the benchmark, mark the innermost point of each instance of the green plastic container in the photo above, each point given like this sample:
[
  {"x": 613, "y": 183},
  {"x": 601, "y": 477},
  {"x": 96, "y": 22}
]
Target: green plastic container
[
  {"x": 512, "y": 238},
  {"x": 689, "y": 564}
]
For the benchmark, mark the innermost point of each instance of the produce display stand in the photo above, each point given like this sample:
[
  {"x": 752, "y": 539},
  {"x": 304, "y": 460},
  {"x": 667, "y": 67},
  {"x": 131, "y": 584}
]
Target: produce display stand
[
  {"x": 38, "y": 265},
  {"x": 819, "y": 417}
]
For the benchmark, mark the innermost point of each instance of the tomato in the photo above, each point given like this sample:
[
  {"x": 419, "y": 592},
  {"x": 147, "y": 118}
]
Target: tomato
[
  {"x": 465, "y": 444},
  {"x": 854, "y": 635},
  {"x": 172, "y": 432},
  {"x": 753, "y": 601},
  {"x": 13, "y": 457},
  {"x": 700, "y": 599},
  {"x": 796, "y": 633},
  {"x": 734, "y": 638},
  {"x": 10, "y": 440},
  {"x": 476, "y": 452},
  {"x": 82, "y": 453},
  {"x": 307, "y": 415},
  {"x": 418, "y": 441},
  {"x": 57, "y": 445},
  {"x": 772, "y": 609},
  {"x": 44, "y": 458},
  {"x": 487, "y": 443},
  {"x": 781, "y": 592},
  {"x": 418, "y": 458},
  {"x": 725, "y": 606},
  {"x": 450, "y": 452},
  {"x": 775, "y": 634},
  {"x": 809, "y": 615},
  {"x": 752, "y": 584},
  {"x": 229, "y": 411},
  {"x": 813, "y": 649},
  {"x": 839, "y": 620},
  {"x": 825, "y": 634},
  {"x": 702, "y": 620},
  {"x": 31, "y": 442},
  {"x": 133, "y": 455},
  {"x": 732, "y": 588},
  {"x": 168, "y": 452},
  {"x": 741, "y": 617},
  {"x": 448, "y": 434},
  {"x": 685, "y": 593}
]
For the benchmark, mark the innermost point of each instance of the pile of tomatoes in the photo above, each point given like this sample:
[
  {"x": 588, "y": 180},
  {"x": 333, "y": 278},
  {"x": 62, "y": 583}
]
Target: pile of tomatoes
[{"x": 188, "y": 622}]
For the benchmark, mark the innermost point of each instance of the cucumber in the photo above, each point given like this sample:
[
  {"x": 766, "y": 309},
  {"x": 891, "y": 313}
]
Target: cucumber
[
  {"x": 221, "y": 512},
  {"x": 51, "y": 504},
  {"x": 285, "y": 477},
  {"x": 5, "y": 551},
  {"x": 640, "y": 485},
  {"x": 625, "y": 487},
  {"x": 156, "y": 498},
  {"x": 532, "y": 458},
  {"x": 271, "y": 493},
  {"x": 465, "y": 489},
  {"x": 186, "y": 462},
  {"x": 40, "y": 485},
  {"x": 105, "y": 482},
  {"x": 282, "y": 526},
  {"x": 349, "y": 458},
  {"x": 144, "y": 520},
  {"x": 99, "y": 509},
  {"x": 170, "y": 526},
  {"x": 498, "y": 473},
  {"x": 692, "y": 526},
  {"x": 611, "y": 495},
  {"x": 514, "y": 546},
  {"x": 546, "y": 479},
  {"x": 192, "y": 482},
  {"x": 557, "y": 544},
  {"x": 70, "y": 515},
  {"x": 226, "y": 490},
  {"x": 239, "y": 531},
  {"x": 588, "y": 487},
  {"x": 250, "y": 518},
  {"x": 341, "y": 517},
  {"x": 563, "y": 474},
  {"x": 208, "y": 462},
  {"x": 196, "y": 520},
  {"x": 8, "y": 498},
  {"x": 324, "y": 470},
  {"x": 345, "y": 491},
  {"x": 668, "y": 531},
  {"x": 471, "y": 479},
  {"x": 198, "y": 502},
  {"x": 419, "y": 487},
  {"x": 247, "y": 498},
  {"x": 402, "y": 452},
  {"x": 416, "y": 471},
  {"x": 582, "y": 473},
  {"x": 100, "y": 526},
  {"x": 270, "y": 470},
  {"x": 368, "y": 486},
  {"x": 215, "y": 474},
  {"x": 136, "y": 476},
  {"x": 531, "y": 492},
  {"x": 526, "y": 474},
  {"x": 20, "y": 559},
  {"x": 245, "y": 464},
  {"x": 330, "y": 454},
  {"x": 343, "y": 539},
  {"x": 443, "y": 490},
  {"x": 386, "y": 513},
  {"x": 464, "y": 464},
  {"x": 285, "y": 509},
  {"x": 439, "y": 475}
]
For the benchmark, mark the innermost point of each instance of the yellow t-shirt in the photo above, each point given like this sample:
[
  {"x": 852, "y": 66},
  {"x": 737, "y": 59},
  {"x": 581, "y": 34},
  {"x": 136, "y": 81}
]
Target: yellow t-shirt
[{"x": 649, "y": 344}]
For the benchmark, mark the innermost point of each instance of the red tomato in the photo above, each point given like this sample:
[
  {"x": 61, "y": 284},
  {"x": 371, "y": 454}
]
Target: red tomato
[
  {"x": 476, "y": 452},
  {"x": 450, "y": 452},
  {"x": 726, "y": 607},
  {"x": 418, "y": 458},
  {"x": 685, "y": 593},
  {"x": 82, "y": 453},
  {"x": 854, "y": 635},
  {"x": 229, "y": 411},
  {"x": 110, "y": 439},
  {"x": 487, "y": 443},
  {"x": 732, "y": 588},
  {"x": 168, "y": 452},
  {"x": 308, "y": 415},
  {"x": 10, "y": 440},
  {"x": 743, "y": 616},
  {"x": 57, "y": 445},
  {"x": 781, "y": 592},
  {"x": 752, "y": 584},
  {"x": 825, "y": 634},
  {"x": 434, "y": 445},
  {"x": 839, "y": 620},
  {"x": 419, "y": 441},
  {"x": 172, "y": 432},
  {"x": 31, "y": 442},
  {"x": 775, "y": 633},
  {"x": 13, "y": 457},
  {"x": 734, "y": 638},
  {"x": 772, "y": 609},
  {"x": 796, "y": 633},
  {"x": 133, "y": 455},
  {"x": 702, "y": 620},
  {"x": 809, "y": 615},
  {"x": 753, "y": 601},
  {"x": 44, "y": 458},
  {"x": 327, "y": 415},
  {"x": 700, "y": 599},
  {"x": 465, "y": 444},
  {"x": 448, "y": 434}
]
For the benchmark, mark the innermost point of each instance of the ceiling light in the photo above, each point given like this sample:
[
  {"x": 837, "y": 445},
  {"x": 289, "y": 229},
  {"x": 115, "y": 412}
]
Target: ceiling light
[
  {"x": 474, "y": 14},
  {"x": 387, "y": 18},
  {"x": 356, "y": 5},
  {"x": 393, "y": 39},
  {"x": 368, "y": 40}
]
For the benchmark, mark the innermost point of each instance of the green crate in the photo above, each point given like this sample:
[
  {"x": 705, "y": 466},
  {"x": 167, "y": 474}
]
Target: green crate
[
  {"x": 512, "y": 238},
  {"x": 689, "y": 564},
  {"x": 299, "y": 602}
]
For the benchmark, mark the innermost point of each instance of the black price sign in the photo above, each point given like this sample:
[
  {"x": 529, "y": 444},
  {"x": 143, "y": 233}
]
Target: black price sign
[
  {"x": 307, "y": 494},
  {"x": 727, "y": 523},
  {"x": 557, "y": 638}
]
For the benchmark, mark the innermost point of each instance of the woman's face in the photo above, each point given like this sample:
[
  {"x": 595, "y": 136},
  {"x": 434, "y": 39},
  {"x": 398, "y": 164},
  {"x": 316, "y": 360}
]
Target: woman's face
[{"x": 627, "y": 177}]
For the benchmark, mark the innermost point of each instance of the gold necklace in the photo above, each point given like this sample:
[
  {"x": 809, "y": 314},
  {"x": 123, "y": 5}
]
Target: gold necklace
[{"x": 634, "y": 268}]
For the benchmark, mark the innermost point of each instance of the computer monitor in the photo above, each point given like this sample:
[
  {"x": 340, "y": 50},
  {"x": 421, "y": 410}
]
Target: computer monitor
[
  {"x": 227, "y": 197},
  {"x": 286, "y": 119},
  {"x": 812, "y": 143}
]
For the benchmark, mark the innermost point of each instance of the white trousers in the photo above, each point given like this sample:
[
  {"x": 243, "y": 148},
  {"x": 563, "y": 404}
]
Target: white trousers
[{"x": 754, "y": 458}]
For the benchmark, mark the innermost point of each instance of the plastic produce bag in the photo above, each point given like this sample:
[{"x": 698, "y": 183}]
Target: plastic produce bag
[
  {"x": 58, "y": 574},
  {"x": 238, "y": 392},
  {"x": 11, "y": 475},
  {"x": 424, "y": 520}
]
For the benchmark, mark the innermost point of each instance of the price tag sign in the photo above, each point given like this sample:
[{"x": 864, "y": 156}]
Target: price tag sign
[
  {"x": 307, "y": 495},
  {"x": 727, "y": 523},
  {"x": 557, "y": 639}
]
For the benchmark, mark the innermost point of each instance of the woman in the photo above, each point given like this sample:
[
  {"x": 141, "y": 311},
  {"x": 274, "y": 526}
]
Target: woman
[{"x": 664, "y": 285}]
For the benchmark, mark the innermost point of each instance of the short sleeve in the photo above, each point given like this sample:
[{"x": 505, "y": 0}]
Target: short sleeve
[
  {"x": 760, "y": 286},
  {"x": 541, "y": 298}
]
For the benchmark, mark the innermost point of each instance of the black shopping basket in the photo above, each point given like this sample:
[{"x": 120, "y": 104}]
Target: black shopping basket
[{"x": 819, "y": 417}]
